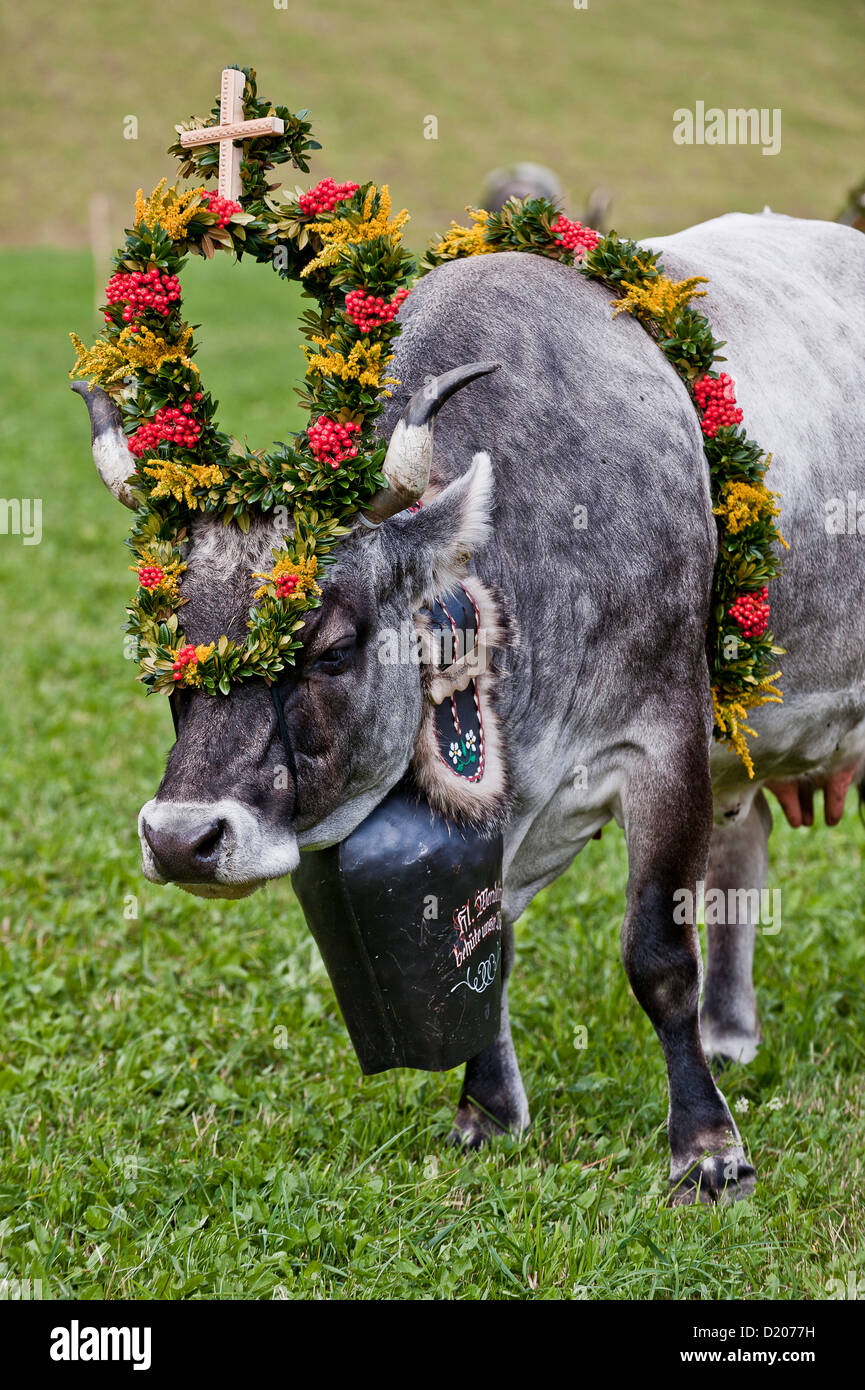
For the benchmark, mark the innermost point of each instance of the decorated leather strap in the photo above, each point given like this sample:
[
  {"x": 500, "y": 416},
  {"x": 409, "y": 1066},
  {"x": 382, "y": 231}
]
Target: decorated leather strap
[{"x": 459, "y": 725}]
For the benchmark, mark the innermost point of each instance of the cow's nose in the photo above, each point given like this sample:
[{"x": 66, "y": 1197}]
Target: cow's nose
[{"x": 187, "y": 853}]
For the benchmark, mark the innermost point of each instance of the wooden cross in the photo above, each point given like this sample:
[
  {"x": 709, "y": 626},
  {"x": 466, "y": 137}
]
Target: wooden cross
[{"x": 231, "y": 127}]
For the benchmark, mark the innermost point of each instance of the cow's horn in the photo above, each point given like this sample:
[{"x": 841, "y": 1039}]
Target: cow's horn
[
  {"x": 410, "y": 452},
  {"x": 111, "y": 454}
]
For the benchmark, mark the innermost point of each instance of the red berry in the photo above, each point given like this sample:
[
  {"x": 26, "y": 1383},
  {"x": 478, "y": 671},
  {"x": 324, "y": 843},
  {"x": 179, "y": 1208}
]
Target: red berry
[
  {"x": 751, "y": 612},
  {"x": 716, "y": 398},
  {"x": 330, "y": 441},
  {"x": 223, "y": 208},
  {"x": 286, "y": 585},
  {"x": 325, "y": 196},
  {"x": 369, "y": 312},
  {"x": 131, "y": 291},
  {"x": 573, "y": 236},
  {"x": 150, "y": 576},
  {"x": 168, "y": 423},
  {"x": 185, "y": 657}
]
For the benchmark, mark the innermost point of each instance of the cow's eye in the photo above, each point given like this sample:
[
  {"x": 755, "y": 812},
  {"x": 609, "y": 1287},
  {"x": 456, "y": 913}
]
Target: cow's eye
[{"x": 334, "y": 658}]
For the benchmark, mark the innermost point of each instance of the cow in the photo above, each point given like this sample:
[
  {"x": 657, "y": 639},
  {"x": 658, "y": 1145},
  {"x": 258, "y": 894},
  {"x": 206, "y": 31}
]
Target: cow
[
  {"x": 609, "y": 671},
  {"x": 528, "y": 180}
]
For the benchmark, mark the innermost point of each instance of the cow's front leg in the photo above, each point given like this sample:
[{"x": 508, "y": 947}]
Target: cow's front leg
[
  {"x": 738, "y": 867},
  {"x": 493, "y": 1098},
  {"x": 668, "y": 819}
]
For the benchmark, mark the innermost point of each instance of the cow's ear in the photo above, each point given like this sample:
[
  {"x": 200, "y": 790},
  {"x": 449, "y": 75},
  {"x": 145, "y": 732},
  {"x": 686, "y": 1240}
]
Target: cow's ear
[{"x": 433, "y": 545}]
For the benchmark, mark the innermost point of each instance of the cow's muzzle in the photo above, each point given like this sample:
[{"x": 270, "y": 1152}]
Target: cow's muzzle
[{"x": 216, "y": 849}]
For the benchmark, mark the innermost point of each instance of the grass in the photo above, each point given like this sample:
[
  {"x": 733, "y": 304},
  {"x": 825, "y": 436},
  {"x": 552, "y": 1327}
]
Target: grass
[
  {"x": 590, "y": 92},
  {"x": 181, "y": 1114}
]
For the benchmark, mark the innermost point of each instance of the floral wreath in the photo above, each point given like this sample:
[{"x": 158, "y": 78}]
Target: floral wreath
[
  {"x": 356, "y": 273},
  {"x": 343, "y": 244}
]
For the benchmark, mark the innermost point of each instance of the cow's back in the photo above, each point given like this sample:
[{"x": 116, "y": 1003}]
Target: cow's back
[
  {"x": 788, "y": 297},
  {"x": 586, "y": 410}
]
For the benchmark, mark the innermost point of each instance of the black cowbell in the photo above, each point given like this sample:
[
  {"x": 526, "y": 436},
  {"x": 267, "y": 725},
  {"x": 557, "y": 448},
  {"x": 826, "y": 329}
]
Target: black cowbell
[{"x": 406, "y": 912}]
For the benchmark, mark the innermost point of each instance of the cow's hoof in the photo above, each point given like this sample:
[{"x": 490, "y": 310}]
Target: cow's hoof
[
  {"x": 721, "y": 1178},
  {"x": 474, "y": 1126}
]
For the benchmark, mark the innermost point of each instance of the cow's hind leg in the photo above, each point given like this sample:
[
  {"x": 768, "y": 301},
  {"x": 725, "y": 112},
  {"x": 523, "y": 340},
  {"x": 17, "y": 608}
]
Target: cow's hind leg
[
  {"x": 493, "y": 1098},
  {"x": 668, "y": 819},
  {"x": 738, "y": 867}
]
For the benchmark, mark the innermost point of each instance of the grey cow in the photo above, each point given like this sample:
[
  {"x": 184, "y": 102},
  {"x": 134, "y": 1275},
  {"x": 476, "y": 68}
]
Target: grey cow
[{"x": 609, "y": 672}]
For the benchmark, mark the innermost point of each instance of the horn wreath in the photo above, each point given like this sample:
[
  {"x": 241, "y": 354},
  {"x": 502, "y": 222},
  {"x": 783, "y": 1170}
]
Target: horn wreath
[
  {"x": 113, "y": 458},
  {"x": 410, "y": 452}
]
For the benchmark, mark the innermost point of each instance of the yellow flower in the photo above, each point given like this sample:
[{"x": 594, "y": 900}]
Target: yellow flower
[
  {"x": 304, "y": 570},
  {"x": 179, "y": 480},
  {"x": 364, "y": 364},
  {"x": 100, "y": 365},
  {"x": 168, "y": 209},
  {"x": 342, "y": 231},
  {"x": 466, "y": 241},
  {"x": 730, "y": 716},
  {"x": 742, "y": 505},
  {"x": 661, "y": 299},
  {"x": 145, "y": 351},
  {"x": 106, "y": 363}
]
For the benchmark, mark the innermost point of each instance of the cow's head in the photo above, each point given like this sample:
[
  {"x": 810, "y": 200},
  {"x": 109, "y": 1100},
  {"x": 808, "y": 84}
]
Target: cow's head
[{"x": 235, "y": 805}]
